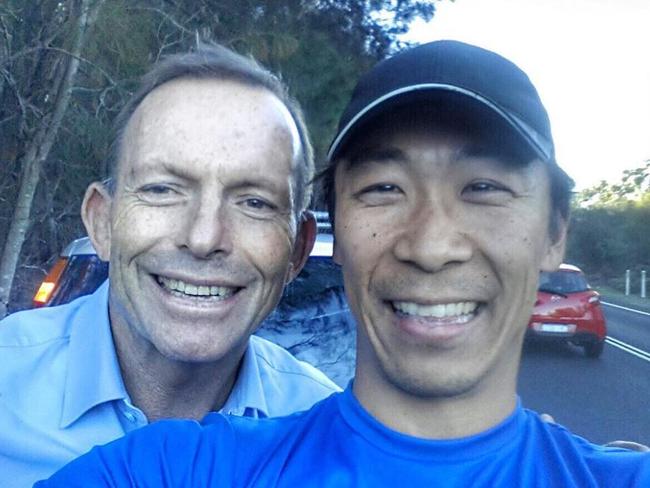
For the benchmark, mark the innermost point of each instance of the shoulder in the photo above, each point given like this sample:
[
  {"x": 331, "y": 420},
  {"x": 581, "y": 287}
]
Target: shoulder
[
  {"x": 269, "y": 444},
  {"x": 34, "y": 349},
  {"x": 35, "y": 327},
  {"x": 279, "y": 365},
  {"x": 274, "y": 429},
  {"x": 610, "y": 466},
  {"x": 29, "y": 341},
  {"x": 42, "y": 333},
  {"x": 39, "y": 326}
]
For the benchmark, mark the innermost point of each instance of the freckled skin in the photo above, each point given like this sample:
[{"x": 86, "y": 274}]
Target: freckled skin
[
  {"x": 429, "y": 237},
  {"x": 199, "y": 158}
]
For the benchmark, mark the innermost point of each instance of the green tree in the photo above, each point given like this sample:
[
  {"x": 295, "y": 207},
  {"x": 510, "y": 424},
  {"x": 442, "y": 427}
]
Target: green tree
[
  {"x": 633, "y": 186},
  {"x": 319, "y": 47},
  {"x": 40, "y": 105},
  {"x": 610, "y": 228}
]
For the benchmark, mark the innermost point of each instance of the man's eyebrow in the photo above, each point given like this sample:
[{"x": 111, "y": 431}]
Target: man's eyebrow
[{"x": 377, "y": 155}]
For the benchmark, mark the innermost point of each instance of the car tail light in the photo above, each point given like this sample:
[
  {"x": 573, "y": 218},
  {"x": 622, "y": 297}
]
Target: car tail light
[
  {"x": 594, "y": 299},
  {"x": 49, "y": 283}
]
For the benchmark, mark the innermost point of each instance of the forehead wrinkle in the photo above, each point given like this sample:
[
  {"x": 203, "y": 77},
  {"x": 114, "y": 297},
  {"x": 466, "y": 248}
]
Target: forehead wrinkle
[{"x": 144, "y": 129}]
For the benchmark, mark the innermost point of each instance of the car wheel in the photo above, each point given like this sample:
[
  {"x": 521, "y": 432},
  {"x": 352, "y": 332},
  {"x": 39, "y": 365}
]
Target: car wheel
[{"x": 594, "y": 349}]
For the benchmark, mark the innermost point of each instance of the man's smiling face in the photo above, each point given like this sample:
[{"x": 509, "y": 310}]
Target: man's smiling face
[
  {"x": 441, "y": 241},
  {"x": 200, "y": 232}
]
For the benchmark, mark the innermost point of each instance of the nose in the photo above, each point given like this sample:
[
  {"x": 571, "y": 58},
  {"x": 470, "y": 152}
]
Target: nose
[
  {"x": 432, "y": 239},
  {"x": 208, "y": 229}
]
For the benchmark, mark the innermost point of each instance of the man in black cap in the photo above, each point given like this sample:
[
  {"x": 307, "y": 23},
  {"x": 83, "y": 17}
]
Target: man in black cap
[{"x": 447, "y": 202}]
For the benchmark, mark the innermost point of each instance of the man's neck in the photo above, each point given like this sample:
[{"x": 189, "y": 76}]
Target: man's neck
[
  {"x": 187, "y": 391},
  {"x": 165, "y": 388},
  {"x": 437, "y": 417}
]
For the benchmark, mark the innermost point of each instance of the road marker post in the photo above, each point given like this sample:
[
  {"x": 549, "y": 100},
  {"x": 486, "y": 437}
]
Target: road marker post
[
  {"x": 643, "y": 283},
  {"x": 627, "y": 282}
]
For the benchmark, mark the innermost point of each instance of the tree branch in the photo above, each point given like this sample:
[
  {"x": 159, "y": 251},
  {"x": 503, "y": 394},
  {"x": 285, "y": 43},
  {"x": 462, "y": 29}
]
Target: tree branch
[
  {"x": 78, "y": 57},
  {"x": 37, "y": 152}
]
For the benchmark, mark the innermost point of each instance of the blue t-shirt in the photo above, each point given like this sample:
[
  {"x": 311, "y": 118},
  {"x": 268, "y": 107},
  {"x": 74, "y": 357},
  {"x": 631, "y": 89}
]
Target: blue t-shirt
[{"x": 338, "y": 444}]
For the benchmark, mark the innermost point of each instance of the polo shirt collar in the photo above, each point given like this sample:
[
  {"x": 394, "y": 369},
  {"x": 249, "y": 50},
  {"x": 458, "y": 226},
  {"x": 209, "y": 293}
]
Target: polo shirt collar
[
  {"x": 93, "y": 375},
  {"x": 247, "y": 397}
]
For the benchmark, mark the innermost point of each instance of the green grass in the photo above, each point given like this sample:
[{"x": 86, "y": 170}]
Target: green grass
[{"x": 615, "y": 296}]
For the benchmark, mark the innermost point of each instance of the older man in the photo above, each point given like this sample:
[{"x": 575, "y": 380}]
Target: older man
[
  {"x": 448, "y": 203},
  {"x": 203, "y": 222}
]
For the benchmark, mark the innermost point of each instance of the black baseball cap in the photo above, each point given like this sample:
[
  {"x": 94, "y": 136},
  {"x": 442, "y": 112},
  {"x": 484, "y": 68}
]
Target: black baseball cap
[{"x": 481, "y": 81}]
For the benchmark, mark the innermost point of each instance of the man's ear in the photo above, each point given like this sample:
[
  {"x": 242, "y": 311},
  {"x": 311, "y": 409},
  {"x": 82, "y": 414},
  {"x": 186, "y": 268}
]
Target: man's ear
[
  {"x": 556, "y": 245},
  {"x": 96, "y": 216},
  {"x": 305, "y": 239}
]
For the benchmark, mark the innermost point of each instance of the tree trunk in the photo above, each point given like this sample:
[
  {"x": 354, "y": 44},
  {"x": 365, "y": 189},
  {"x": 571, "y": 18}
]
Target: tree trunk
[{"x": 38, "y": 150}]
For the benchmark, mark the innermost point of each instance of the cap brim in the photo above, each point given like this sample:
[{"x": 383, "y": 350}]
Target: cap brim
[{"x": 470, "y": 103}]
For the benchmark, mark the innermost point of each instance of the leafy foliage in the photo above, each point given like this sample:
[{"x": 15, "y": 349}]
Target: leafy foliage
[
  {"x": 319, "y": 47},
  {"x": 610, "y": 229}
]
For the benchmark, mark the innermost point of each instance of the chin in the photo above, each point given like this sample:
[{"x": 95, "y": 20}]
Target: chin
[
  {"x": 438, "y": 383},
  {"x": 192, "y": 353}
]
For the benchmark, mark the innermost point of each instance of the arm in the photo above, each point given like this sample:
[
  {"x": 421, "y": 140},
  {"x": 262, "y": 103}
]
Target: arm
[{"x": 168, "y": 453}]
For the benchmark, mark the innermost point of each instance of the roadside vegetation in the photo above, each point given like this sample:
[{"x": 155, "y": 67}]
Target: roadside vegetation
[
  {"x": 610, "y": 232},
  {"x": 67, "y": 67}
]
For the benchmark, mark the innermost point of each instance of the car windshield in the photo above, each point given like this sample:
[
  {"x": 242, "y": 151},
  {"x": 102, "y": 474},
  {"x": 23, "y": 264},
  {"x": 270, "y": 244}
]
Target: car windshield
[
  {"x": 84, "y": 274},
  {"x": 562, "y": 282}
]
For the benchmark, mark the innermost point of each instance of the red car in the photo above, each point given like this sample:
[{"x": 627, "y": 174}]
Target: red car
[{"x": 568, "y": 310}]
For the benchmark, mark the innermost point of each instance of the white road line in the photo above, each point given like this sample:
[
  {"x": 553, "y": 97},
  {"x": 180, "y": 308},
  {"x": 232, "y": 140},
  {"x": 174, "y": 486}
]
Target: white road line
[
  {"x": 629, "y": 346},
  {"x": 630, "y": 349},
  {"x": 624, "y": 308}
]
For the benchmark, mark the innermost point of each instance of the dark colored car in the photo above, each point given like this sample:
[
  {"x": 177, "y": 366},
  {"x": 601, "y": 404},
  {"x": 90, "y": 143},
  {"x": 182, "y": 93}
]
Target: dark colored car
[{"x": 568, "y": 310}]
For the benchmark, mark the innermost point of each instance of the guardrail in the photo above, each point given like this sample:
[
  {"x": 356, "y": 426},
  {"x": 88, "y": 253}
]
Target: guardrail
[{"x": 628, "y": 282}]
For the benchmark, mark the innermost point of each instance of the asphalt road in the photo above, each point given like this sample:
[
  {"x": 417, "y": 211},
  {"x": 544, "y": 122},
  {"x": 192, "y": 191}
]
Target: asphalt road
[{"x": 601, "y": 399}]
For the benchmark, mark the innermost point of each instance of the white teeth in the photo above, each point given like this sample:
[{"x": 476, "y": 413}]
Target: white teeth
[
  {"x": 194, "y": 290},
  {"x": 438, "y": 311}
]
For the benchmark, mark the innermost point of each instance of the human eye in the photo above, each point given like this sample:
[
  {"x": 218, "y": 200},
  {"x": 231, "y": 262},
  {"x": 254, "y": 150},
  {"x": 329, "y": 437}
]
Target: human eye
[
  {"x": 483, "y": 186},
  {"x": 381, "y": 188},
  {"x": 158, "y": 193},
  {"x": 382, "y": 193},
  {"x": 486, "y": 191},
  {"x": 258, "y": 204},
  {"x": 157, "y": 189}
]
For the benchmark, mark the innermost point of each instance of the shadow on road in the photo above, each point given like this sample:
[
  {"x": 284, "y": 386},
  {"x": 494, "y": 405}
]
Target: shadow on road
[{"x": 536, "y": 348}]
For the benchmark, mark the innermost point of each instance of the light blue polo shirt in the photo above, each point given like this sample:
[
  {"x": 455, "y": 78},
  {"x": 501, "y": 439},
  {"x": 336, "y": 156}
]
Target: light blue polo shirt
[{"x": 61, "y": 391}]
